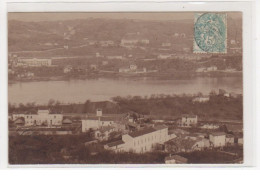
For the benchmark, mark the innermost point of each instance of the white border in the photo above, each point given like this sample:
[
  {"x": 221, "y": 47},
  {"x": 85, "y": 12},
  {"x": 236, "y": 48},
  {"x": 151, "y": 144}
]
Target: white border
[{"x": 248, "y": 61}]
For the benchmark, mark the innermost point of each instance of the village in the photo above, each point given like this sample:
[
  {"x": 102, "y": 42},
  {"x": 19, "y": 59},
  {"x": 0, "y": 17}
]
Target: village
[
  {"x": 135, "y": 133},
  {"x": 134, "y": 54}
]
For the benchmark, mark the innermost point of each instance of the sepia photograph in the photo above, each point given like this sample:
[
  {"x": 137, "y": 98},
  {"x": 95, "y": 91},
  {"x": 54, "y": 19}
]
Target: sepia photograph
[{"x": 125, "y": 88}]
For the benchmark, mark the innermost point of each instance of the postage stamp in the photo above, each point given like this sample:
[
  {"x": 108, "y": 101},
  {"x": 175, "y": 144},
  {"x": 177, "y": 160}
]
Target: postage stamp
[{"x": 210, "y": 33}]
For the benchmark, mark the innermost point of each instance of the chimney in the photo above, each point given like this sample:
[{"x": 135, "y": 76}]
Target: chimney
[{"x": 99, "y": 112}]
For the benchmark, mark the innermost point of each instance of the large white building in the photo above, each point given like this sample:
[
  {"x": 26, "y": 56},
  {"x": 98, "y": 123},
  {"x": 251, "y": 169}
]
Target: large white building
[
  {"x": 141, "y": 141},
  {"x": 43, "y": 117},
  {"x": 34, "y": 62}
]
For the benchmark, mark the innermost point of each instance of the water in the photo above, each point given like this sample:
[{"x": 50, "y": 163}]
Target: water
[{"x": 75, "y": 91}]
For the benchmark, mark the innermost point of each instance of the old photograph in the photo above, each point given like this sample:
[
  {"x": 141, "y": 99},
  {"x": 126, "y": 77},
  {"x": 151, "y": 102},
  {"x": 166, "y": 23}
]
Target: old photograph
[{"x": 125, "y": 88}]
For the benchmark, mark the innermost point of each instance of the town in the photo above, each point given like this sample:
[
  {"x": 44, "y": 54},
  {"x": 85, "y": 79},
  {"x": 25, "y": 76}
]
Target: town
[
  {"x": 73, "y": 53},
  {"x": 175, "y": 138}
]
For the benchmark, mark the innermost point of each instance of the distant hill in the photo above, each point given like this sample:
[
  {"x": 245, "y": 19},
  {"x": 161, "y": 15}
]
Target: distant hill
[{"x": 30, "y": 36}]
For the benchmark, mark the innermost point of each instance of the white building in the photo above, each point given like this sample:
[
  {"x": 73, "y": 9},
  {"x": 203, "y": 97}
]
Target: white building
[
  {"x": 230, "y": 139},
  {"x": 95, "y": 122},
  {"x": 141, "y": 141},
  {"x": 188, "y": 120},
  {"x": 35, "y": 62},
  {"x": 164, "y": 56},
  {"x": 217, "y": 139},
  {"x": 201, "y": 99},
  {"x": 43, "y": 117},
  {"x": 166, "y": 44}
]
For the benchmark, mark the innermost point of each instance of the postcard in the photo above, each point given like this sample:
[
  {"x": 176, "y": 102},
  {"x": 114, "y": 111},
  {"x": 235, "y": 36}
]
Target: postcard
[{"x": 102, "y": 88}]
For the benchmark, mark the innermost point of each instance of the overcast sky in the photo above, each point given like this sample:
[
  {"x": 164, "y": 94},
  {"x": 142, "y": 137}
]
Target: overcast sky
[{"x": 48, "y": 16}]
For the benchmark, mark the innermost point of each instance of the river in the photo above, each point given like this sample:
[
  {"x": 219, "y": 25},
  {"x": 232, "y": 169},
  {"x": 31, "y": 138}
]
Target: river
[{"x": 75, "y": 91}]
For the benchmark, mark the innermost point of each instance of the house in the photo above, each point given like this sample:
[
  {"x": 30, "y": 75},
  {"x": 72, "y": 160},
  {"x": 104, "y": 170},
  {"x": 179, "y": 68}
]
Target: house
[
  {"x": 230, "y": 139},
  {"x": 175, "y": 159},
  {"x": 144, "y": 140},
  {"x": 186, "y": 144},
  {"x": 201, "y": 99},
  {"x": 19, "y": 121},
  {"x": 106, "y": 43},
  {"x": 201, "y": 69},
  {"x": 117, "y": 146},
  {"x": 164, "y": 56},
  {"x": 34, "y": 62},
  {"x": 93, "y": 66},
  {"x": 226, "y": 95},
  {"x": 67, "y": 69},
  {"x": 212, "y": 68},
  {"x": 42, "y": 117},
  {"x": 217, "y": 139},
  {"x": 115, "y": 57},
  {"x": 66, "y": 121},
  {"x": 188, "y": 120},
  {"x": 210, "y": 126},
  {"x": 103, "y": 132},
  {"x": 94, "y": 122},
  {"x": 239, "y": 139},
  {"x": 131, "y": 68},
  {"x": 166, "y": 44}
]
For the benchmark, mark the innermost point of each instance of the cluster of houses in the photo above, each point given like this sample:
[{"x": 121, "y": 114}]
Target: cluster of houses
[{"x": 135, "y": 137}]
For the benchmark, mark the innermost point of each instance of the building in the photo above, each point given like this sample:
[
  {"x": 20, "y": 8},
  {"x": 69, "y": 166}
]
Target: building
[
  {"x": 164, "y": 56},
  {"x": 217, "y": 139},
  {"x": 201, "y": 99},
  {"x": 42, "y": 117},
  {"x": 95, "y": 122},
  {"x": 117, "y": 146},
  {"x": 131, "y": 68},
  {"x": 166, "y": 44},
  {"x": 230, "y": 139},
  {"x": 104, "y": 132},
  {"x": 35, "y": 62},
  {"x": 209, "y": 126},
  {"x": 134, "y": 40},
  {"x": 115, "y": 57},
  {"x": 175, "y": 159},
  {"x": 67, "y": 69},
  {"x": 144, "y": 140},
  {"x": 106, "y": 43},
  {"x": 188, "y": 120}
]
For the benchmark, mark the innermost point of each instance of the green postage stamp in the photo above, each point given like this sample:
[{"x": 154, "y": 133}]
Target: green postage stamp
[{"x": 210, "y": 33}]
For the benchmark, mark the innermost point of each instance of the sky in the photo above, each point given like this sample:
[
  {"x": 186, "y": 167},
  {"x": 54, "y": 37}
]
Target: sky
[{"x": 50, "y": 16}]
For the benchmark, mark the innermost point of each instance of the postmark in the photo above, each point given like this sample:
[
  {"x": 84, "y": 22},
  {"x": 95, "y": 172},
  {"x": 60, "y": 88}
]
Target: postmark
[{"x": 210, "y": 33}]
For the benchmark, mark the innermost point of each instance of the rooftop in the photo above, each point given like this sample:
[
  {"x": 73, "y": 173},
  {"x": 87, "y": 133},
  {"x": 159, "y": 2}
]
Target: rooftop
[
  {"x": 189, "y": 116},
  {"x": 112, "y": 144},
  {"x": 147, "y": 130},
  {"x": 142, "y": 132},
  {"x": 218, "y": 133}
]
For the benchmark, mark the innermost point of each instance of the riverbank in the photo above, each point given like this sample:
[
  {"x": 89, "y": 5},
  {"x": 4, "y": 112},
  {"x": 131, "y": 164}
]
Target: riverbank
[{"x": 116, "y": 75}]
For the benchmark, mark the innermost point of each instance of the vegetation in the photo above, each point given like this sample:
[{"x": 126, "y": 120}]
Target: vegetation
[
  {"x": 70, "y": 149},
  {"x": 217, "y": 108}
]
